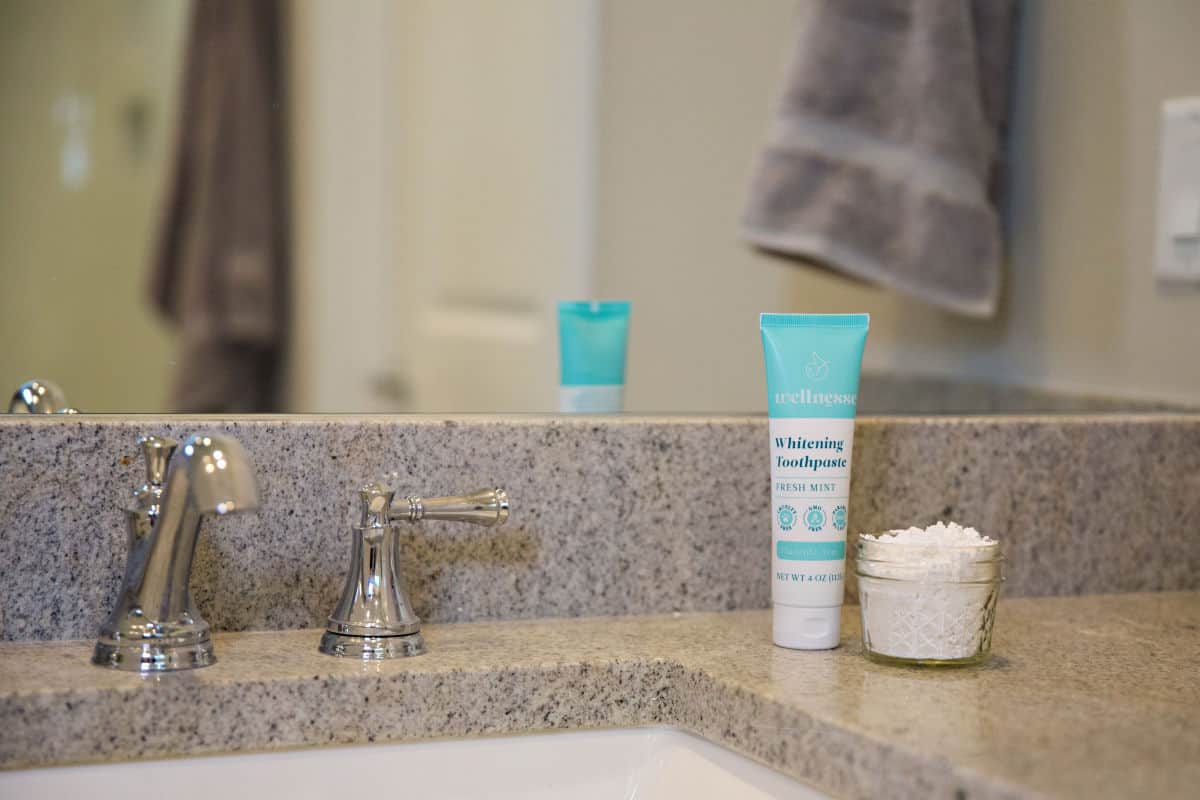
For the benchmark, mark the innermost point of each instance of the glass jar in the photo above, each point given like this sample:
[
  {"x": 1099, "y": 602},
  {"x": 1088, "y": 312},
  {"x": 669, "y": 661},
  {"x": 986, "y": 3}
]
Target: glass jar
[{"x": 928, "y": 604}]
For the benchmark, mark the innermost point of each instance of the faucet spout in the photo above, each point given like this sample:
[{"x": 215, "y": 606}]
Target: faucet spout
[
  {"x": 216, "y": 471},
  {"x": 39, "y": 397},
  {"x": 155, "y": 626}
]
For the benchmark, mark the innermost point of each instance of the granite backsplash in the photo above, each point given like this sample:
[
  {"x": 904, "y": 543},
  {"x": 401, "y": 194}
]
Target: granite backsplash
[{"x": 612, "y": 515}]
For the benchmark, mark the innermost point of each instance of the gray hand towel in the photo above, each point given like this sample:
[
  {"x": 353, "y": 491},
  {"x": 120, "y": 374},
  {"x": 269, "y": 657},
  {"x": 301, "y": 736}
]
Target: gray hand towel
[
  {"x": 884, "y": 157},
  {"x": 220, "y": 270}
]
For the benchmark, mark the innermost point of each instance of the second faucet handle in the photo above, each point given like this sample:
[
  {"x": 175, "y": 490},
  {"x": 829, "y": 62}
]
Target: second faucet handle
[{"x": 486, "y": 507}]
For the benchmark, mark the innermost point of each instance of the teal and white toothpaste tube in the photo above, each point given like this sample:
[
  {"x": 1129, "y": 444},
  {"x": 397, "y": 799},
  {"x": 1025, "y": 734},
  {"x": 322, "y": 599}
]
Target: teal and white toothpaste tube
[
  {"x": 592, "y": 342},
  {"x": 813, "y": 363}
]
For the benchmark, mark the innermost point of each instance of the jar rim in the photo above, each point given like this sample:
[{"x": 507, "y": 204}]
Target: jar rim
[
  {"x": 999, "y": 578},
  {"x": 993, "y": 545},
  {"x": 891, "y": 553},
  {"x": 890, "y": 562}
]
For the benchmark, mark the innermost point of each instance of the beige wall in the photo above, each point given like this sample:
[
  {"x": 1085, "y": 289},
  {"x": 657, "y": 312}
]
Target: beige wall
[
  {"x": 686, "y": 91},
  {"x": 74, "y": 259}
]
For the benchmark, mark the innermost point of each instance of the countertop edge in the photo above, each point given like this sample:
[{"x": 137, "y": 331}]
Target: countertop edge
[
  {"x": 211, "y": 715},
  {"x": 830, "y": 719},
  {"x": 596, "y": 694}
]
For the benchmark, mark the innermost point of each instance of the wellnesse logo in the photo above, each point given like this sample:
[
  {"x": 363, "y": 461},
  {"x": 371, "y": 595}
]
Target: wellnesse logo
[
  {"x": 807, "y": 397},
  {"x": 816, "y": 370}
]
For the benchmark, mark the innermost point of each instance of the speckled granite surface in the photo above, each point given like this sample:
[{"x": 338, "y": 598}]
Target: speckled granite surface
[
  {"x": 1087, "y": 697},
  {"x": 611, "y": 515}
]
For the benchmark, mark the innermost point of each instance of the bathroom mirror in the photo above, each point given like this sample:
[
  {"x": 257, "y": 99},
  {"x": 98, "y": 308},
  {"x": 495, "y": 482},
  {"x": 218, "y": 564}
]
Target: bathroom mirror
[{"x": 426, "y": 178}]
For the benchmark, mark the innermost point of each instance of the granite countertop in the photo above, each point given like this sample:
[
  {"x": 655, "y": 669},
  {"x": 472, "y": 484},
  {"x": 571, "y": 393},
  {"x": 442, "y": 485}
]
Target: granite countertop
[{"x": 1083, "y": 697}]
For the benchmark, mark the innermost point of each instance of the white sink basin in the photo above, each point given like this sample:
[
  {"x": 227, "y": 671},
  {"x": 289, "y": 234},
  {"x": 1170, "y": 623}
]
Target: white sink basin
[{"x": 636, "y": 764}]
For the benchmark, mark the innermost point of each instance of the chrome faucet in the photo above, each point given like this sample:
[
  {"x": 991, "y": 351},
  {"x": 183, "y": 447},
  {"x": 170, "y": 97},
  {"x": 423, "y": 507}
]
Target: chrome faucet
[
  {"x": 39, "y": 397},
  {"x": 155, "y": 627},
  {"x": 374, "y": 619}
]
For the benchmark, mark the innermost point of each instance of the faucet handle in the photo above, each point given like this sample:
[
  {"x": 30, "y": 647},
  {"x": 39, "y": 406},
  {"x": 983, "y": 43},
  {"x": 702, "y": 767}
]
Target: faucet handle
[
  {"x": 157, "y": 452},
  {"x": 375, "y": 506},
  {"x": 374, "y": 618},
  {"x": 486, "y": 507}
]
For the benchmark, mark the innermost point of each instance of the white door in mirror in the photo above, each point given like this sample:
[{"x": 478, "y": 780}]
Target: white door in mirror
[
  {"x": 1177, "y": 243},
  {"x": 646, "y": 764}
]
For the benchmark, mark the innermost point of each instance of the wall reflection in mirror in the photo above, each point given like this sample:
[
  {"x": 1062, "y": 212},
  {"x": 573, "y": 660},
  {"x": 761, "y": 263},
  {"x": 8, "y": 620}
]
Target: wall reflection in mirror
[{"x": 378, "y": 206}]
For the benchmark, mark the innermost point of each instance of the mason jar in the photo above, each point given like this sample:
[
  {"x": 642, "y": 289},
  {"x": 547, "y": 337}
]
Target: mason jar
[{"x": 928, "y": 604}]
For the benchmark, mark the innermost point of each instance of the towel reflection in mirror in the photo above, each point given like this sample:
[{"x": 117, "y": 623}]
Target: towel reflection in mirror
[{"x": 221, "y": 265}]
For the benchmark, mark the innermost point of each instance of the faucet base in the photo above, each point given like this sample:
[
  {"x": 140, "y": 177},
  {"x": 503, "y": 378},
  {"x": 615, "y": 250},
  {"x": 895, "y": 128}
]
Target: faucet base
[
  {"x": 372, "y": 648},
  {"x": 153, "y": 656}
]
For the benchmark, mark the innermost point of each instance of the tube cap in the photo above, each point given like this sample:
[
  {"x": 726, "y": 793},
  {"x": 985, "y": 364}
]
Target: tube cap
[{"x": 803, "y": 628}]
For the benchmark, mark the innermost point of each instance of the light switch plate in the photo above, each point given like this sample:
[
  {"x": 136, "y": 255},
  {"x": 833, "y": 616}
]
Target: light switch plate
[{"x": 1177, "y": 227}]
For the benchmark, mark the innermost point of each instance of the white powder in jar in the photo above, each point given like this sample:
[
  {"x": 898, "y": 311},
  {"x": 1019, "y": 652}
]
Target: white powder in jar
[
  {"x": 928, "y": 593},
  {"x": 952, "y": 535}
]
